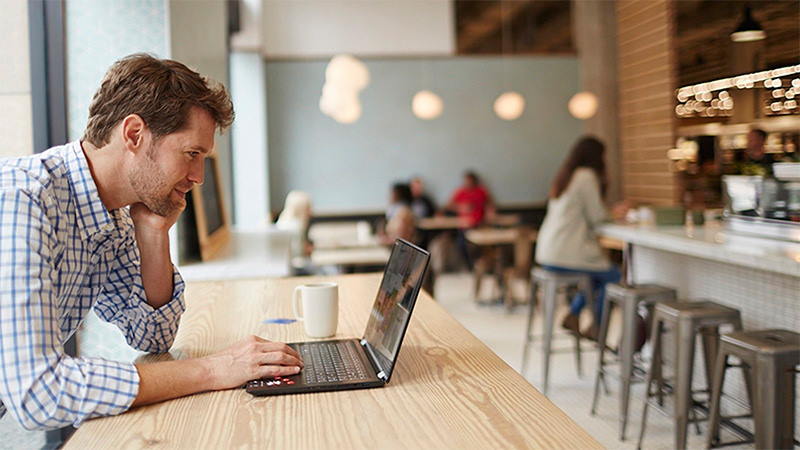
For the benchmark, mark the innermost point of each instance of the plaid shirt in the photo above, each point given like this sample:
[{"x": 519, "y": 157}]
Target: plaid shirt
[{"x": 62, "y": 253}]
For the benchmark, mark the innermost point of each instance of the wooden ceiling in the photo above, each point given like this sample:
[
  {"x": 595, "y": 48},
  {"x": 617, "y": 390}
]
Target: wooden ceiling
[
  {"x": 703, "y": 30},
  {"x": 530, "y": 26}
]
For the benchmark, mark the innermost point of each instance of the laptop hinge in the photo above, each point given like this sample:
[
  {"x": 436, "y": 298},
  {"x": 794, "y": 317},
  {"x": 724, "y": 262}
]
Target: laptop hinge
[{"x": 381, "y": 374}]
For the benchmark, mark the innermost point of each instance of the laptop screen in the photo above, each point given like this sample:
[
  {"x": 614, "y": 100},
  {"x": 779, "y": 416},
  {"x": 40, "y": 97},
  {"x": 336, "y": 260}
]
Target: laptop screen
[{"x": 391, "y": 311}]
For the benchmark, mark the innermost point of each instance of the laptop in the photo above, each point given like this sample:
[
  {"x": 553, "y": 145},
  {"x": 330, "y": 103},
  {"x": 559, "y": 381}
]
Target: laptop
[{"x": 368, "y": 362}]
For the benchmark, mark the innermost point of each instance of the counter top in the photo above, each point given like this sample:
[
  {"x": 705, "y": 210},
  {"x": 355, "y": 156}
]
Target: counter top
[{"x": 713, "y": 242}]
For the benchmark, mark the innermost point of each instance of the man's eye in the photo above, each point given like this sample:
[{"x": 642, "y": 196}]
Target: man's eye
[{"x": 194, "y": 154}]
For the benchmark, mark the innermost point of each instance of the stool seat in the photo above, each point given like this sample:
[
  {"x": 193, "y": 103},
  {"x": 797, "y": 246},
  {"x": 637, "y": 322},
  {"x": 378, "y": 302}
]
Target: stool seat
[
  {"x": 696, "y": 309},
  {"x": 541, "y": 274},
  {"x": 765, "y": 341},
  {"x": 640, "y": 292}
]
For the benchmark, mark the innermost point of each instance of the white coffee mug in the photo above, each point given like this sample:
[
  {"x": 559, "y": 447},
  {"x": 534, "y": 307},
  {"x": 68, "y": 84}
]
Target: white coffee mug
[{"x": 320, "y": 308}]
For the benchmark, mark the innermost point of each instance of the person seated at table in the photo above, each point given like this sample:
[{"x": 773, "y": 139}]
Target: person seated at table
[
  {"x": 400, "y": 221},
  {"x": 473, "y": 203},
  {"x": 421, "y": 203},
  {"x": 84, "y": 227},
  {"x": 295, "y": 217},
  {"x": 567, "y": 242}
]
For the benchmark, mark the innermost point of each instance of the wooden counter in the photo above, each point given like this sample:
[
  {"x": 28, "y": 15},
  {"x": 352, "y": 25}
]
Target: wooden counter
[{"x": 448, "y": 390}]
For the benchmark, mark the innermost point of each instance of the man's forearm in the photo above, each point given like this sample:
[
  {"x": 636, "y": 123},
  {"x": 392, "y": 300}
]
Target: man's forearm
[
  {"x": 172, "y": 379},
  {"x": 156, "y": 266}
]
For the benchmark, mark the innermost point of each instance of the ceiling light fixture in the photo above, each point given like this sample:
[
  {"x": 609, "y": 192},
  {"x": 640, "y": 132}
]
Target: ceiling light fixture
[{"x": 748, "y": 30}]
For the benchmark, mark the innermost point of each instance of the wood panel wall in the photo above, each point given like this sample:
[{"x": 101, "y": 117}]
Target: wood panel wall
[{"x": 646, "y": 74}]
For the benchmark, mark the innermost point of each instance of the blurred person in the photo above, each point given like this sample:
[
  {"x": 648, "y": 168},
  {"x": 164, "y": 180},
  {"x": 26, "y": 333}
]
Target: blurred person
[
  {"x": 421, "y": 203},
  {"x": 400, "y": 221},
  {"x": 473, "y": 203},
  {"x": 567, "y": 242},
  {"x": 295, "y": 217},
  {"x": 755, "y": 160},
  {"x": 83, "y": 226}
]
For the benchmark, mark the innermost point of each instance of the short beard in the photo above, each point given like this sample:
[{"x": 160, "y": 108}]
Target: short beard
[{"x": 147, "y": 181}]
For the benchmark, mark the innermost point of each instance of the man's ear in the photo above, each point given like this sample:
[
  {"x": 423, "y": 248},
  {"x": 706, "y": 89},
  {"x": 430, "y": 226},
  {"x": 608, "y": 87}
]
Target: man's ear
[{"x": 134, "y": 132}]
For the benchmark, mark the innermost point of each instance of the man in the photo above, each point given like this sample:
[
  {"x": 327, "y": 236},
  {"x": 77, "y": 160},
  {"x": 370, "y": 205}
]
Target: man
[
  {"x": 755, "y": 160},
  {"x": 69, "y": 243}
]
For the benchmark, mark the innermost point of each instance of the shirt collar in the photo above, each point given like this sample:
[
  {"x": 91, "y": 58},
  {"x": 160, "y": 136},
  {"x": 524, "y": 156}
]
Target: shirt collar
[{"x": 93, "y": 217}]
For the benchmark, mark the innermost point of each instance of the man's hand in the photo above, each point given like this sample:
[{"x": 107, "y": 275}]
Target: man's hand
[
  {"x": 246, "y": 360},
  {"x": 144, "y": 219},
  {"x": 152, "y": 238},
  {"x": 250, "y": 359}
]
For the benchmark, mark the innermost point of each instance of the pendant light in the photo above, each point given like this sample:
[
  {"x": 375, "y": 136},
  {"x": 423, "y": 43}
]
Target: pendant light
[
  {"x": 426, "y": 105},
  {"x": 345, "y": 77},
  {"x": 510, "y": 104},
  {"x": 583, "y": 105},
  {"x": 748, "y": 30}
]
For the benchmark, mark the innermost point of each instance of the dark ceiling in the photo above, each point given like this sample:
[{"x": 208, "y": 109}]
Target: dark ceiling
[
  {"x": 703, "y": 30},
  {"x": 513, "y": 26}
]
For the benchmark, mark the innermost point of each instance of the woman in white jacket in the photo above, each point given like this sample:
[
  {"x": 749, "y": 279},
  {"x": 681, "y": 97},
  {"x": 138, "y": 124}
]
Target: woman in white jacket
[{"x": 567, "y": 241}]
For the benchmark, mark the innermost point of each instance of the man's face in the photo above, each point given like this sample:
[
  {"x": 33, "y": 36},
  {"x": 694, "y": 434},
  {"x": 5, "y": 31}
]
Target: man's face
[
  {"x": 416, "y": 187},
  {"x": 168, "y": 169}
]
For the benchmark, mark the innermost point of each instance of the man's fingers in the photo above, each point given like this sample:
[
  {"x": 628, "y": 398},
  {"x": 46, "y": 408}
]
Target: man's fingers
[
  {"x": 279, "y": 358},
  {"x": 278, "y": 371},
  {"x": 268, "y": 347}
]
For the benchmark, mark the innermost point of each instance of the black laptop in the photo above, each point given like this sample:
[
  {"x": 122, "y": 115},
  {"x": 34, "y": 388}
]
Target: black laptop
[{"x": 367, "y": 362}]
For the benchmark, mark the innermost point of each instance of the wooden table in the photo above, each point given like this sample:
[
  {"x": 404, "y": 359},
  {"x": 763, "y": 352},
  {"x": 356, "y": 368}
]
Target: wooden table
[
  {"x": 449, "y": 390},
  {"x": 441, "y": 223},
  {"x": 375, "y": 255}
]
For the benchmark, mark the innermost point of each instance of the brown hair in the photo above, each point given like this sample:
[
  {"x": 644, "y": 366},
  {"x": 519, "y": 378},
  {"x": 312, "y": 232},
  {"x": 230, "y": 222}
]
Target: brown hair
[
  {"x": 160, "y": 91},
  {"x": 587, "y": 152}
]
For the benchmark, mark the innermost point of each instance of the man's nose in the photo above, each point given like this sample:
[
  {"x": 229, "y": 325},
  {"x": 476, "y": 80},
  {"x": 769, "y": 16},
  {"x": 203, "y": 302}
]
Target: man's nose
[{"x": 197, "y": 172}]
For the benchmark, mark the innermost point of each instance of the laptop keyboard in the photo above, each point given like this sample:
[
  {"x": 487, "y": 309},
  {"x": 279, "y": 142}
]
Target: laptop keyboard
[{"x": 330, "y": 362}]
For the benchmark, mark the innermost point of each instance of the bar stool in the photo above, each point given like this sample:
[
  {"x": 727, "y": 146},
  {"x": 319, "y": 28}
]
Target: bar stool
[
  {"x": 686, "y": 319},
  {"x": 551, "y": 283},
  {"x": 628, "y": 297},
  {"x": 770, "y": 358}
]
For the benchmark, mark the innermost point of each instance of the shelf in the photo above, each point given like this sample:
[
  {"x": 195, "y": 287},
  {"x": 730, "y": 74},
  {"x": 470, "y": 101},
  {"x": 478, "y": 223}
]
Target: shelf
[{"x": 771, "y": 125}]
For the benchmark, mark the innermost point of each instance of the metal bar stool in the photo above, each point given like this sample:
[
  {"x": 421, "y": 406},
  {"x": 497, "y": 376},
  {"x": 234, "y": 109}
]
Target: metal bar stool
[
  {"x": 551, "y": 283},
  {"x": 770, "y": 358},
  {"x": 687, "y": 319},
  {"x": 628, "y": 297}
]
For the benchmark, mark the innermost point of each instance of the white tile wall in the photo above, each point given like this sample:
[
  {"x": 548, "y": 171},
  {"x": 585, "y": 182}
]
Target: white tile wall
[
  {"x": 16, "y": 135},
  {"x": 14, "y": 72},
  {"x": 16, "y": 132}
]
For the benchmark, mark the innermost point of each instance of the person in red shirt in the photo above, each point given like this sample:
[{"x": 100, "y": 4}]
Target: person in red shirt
[{"x": 473, "y": 203}]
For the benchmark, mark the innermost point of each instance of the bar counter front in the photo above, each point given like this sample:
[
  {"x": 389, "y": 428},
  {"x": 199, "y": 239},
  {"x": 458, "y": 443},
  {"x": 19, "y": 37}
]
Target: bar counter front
[{"x": 447, "y": 391}]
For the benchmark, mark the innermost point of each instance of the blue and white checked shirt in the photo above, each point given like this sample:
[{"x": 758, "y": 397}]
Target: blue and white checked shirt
[{"x": 62, "y": 253}]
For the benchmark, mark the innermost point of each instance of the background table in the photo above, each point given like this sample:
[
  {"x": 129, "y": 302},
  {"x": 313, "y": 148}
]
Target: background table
[{"x": 448, "y": 390}]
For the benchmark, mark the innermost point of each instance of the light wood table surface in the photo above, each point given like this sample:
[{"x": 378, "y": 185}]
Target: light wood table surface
[
  {"x": 455, "y": 223},
  {"x": 496, "y": 236},
  {"x": 375, "y": 255},
  {"x": 448, "y": 390}
]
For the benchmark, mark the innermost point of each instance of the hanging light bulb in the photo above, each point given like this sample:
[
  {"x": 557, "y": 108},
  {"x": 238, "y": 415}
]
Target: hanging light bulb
[
  {"x": 345, "y": 77},
  {"x": 583, "y": 105},
  {"x": 426, "y": 105},
  {"x": 509, "y": 105}
]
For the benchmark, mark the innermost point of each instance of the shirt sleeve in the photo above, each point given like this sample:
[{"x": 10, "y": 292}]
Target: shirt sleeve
[
  {"x": 123, "y": 302},
  {"x": 593, "y": 205},
  {"x": 40, "y": 385}
]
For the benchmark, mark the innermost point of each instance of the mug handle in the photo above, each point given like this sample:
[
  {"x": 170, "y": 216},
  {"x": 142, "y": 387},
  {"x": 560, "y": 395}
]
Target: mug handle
[{"x": 295, "y": 299}]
